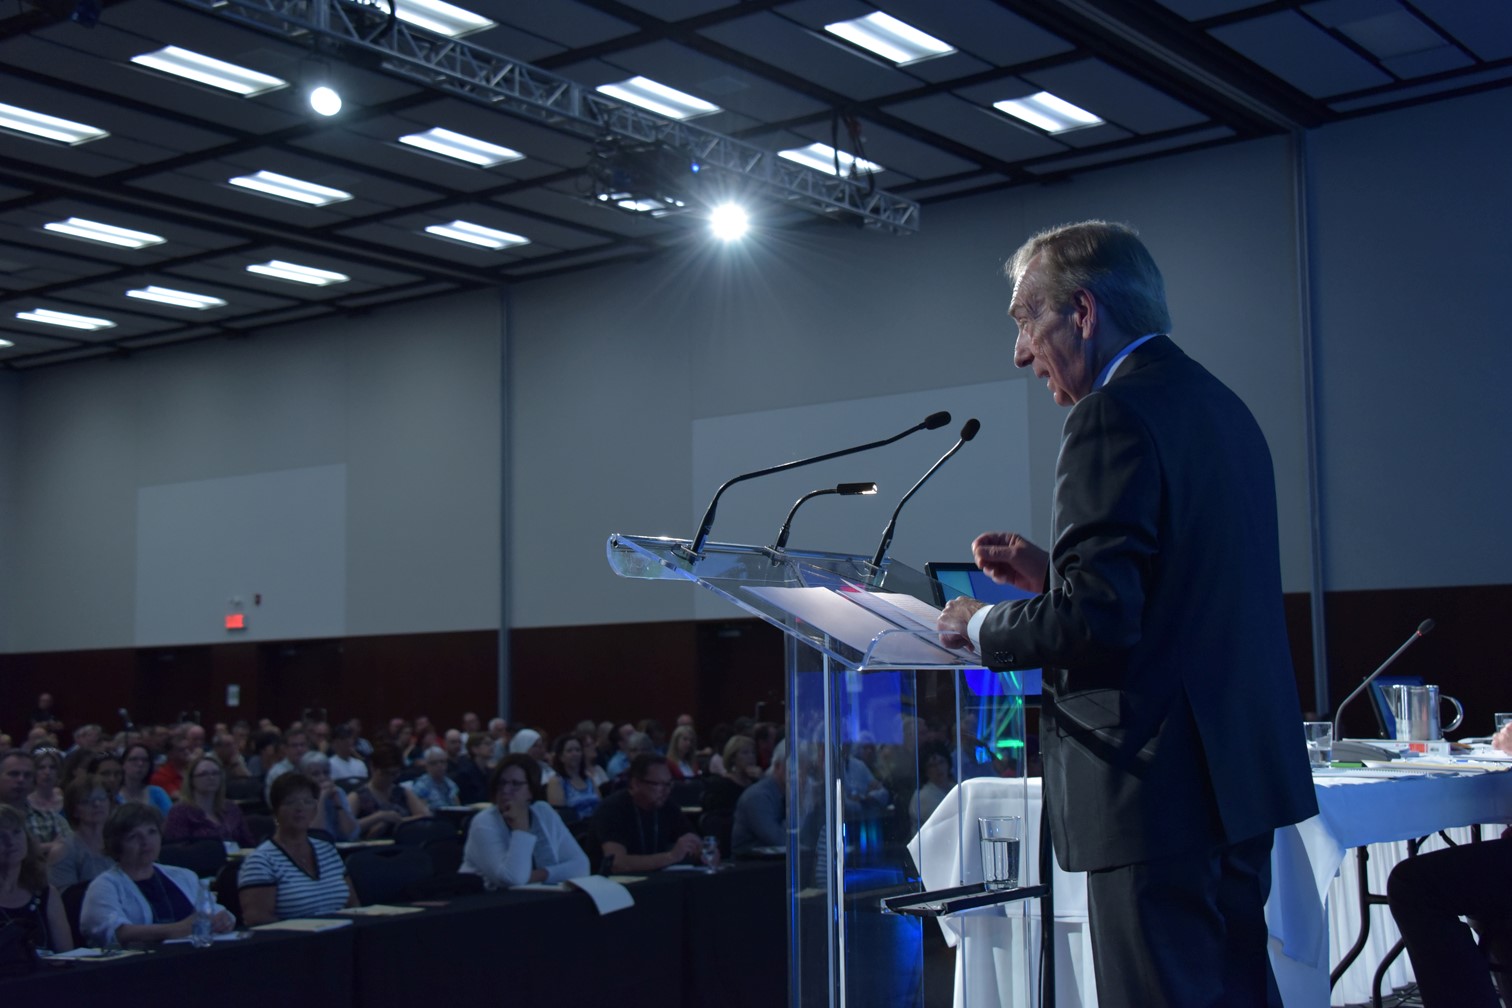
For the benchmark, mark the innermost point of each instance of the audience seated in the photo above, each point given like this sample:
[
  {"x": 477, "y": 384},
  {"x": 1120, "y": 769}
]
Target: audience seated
[
  {"x": 471, "y": 770},
  {"x": 26, "y": 898},
  {"x": 44, "y": 817},
  {"x": 638, "y": 828},
  {"x": 380, "y": 804},
  {"x": 296, "y": 742},
  {"x": 938, "y": 781},
  {"x": 520, "y": 838},
  {"x": 202, "y": 811},
  {"x": 107, "y": 767},
  {"x": 761, "y": 812},
  {"x": 230, "y": 755},
  {"x": 571, "y": 787},
  {"x": 345, "y": 763},
  {"x": 139, "y": 900},
  {"x": 682, "y": 753},
  {"x": 293, "y": 874},
  {"x": 332, "y": 815},
  {"x": 741, "y": 771},
  {"x": 86, "y": 806},
  {"x": 530, "y": 742},
  {"x": 136, "y": 768},
  {"x": 434, "y": 788},
  {"x": 170, "y": 775}
]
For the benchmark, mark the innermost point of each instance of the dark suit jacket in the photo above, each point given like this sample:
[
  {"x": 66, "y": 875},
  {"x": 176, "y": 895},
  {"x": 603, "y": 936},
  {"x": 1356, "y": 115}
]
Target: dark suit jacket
[{"x": 1171, "y": 719}]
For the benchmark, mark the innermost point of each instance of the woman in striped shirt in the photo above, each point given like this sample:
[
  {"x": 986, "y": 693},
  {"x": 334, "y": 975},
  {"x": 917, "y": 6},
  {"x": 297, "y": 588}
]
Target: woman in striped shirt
[{"x": 292, "y": 874}]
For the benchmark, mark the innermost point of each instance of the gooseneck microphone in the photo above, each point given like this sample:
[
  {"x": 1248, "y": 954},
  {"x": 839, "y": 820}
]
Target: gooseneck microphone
[
  {"x": 968, "y": 431},
  {"x": 931, "y": 422},
  {"x": 1420, "y": 632},
  {"x": 844, "y": 490}
]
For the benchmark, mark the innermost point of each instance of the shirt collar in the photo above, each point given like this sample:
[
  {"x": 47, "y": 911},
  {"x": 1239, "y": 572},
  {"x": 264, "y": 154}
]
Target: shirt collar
[{"x": 1106, "y": 375}]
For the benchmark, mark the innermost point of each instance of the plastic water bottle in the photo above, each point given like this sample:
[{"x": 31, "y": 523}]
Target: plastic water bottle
[{"x": 204, "y": 910}]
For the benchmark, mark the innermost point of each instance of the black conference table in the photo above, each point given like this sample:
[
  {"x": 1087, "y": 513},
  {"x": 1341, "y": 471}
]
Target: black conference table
[{"x": 692, "y": 939}]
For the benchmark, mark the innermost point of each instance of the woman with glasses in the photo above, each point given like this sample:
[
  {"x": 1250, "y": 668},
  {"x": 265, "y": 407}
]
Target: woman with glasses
[
  {"x": 202, "y": 810},
  {"x": 520, "y": 838},
  {"x": 140, "y": 900},
  {"x": 293, "y": 874},
  {"x": 334, "y": 815},
  {"x": 136, "y": 767},
  {"x": 86, "y": 806}
]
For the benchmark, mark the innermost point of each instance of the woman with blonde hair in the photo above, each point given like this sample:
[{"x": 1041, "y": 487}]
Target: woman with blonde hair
[
  {"x": 202, "y": 810},
  {"x": 682, "y": 753}
]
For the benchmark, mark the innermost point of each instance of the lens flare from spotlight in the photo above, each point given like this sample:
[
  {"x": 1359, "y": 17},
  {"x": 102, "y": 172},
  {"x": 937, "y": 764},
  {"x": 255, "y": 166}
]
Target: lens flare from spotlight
[
  {"x": 325, "y": 100},
  {"x": 729, "y": 222}
]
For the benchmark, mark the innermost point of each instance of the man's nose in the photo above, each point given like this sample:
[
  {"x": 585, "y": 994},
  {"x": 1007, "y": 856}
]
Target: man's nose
[{"x": 1021, "y": 355}]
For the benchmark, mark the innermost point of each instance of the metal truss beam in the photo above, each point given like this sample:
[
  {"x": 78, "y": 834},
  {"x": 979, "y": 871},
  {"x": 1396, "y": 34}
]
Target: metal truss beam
[{"x": 528, "y": 92}]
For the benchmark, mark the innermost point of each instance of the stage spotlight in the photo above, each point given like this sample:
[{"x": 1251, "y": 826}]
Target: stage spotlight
[
  {"x": 729, "y": 222},
  {"x": 325, "y": 100}
]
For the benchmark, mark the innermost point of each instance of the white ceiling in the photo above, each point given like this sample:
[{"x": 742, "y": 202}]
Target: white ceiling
[{"x": 1165, "y": 77}]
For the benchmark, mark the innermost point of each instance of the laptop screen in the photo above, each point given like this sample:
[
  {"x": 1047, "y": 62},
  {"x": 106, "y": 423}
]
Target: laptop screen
[{"x": 953, "y": 579}]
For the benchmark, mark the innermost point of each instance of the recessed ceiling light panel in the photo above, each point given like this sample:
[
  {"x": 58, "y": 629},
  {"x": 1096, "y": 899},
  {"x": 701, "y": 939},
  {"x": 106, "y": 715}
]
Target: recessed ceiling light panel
[
  {"x": 441, "y": 18},
  {"x": 282, "y": 186},
  {"x": 208, "y": 70},
  {"x": 890, "y": 38},
  {"x": 176, "y": 298},
  {"x": 15, "y": 119},
  {"x": 658, "y": 98},
  {"x": 1049, "y": 113},
  {"x": 461, "y": 147},
  {"x": 105, "y": 234},
  {"x": 476, "y": 234},
  {"x": 295, "y": 273},
  {"x": 65, "y": 319},
  {"x": 822, "y": 157}
]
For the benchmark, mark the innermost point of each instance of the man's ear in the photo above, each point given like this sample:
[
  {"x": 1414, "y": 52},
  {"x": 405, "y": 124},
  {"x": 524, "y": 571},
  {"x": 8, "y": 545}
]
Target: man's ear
[{"x": 1085, "y": 311}]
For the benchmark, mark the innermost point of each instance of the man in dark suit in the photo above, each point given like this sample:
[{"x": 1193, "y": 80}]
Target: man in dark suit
[{"x": 1171, "y": 732}]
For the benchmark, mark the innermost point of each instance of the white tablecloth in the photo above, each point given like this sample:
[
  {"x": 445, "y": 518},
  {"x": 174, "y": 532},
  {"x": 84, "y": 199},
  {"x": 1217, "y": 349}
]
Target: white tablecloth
[{"x": 1312, "y": 911}]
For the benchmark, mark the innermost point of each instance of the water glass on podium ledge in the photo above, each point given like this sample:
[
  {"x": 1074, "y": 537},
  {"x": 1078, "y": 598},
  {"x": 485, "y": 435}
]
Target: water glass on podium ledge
[
  {"x": 1001, "y": 840},
  {"x": 1319, "y": 742}
]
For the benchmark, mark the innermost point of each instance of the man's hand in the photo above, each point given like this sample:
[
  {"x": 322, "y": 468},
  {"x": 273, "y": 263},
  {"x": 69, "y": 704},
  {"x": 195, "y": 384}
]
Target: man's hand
[
  {"x": 1503, "y": 739},
  {"x": 1009, "y": 558},
  {"x": 953, "y": 619}
]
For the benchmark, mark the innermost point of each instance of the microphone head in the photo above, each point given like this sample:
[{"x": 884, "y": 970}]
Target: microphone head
[
  {"x": 969, "y": 430},
  {"x": 1424, "y": 627},
  {"x": 936, "y": 420},
  {"x": 854, "y": 489}
]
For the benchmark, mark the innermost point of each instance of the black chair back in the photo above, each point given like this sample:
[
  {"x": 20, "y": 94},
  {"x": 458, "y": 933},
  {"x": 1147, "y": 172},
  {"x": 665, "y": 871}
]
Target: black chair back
[
  {"x": 226, "y": 889},
  {"x": 73, "y": 903},
  {"x": 260, "y": 826},
  {"x": 417, "y": 831},
  {"x": 205, "y": 856},
  {"x": 445, "y": 854},
  {"x": 244, "y": 789},
  {"x": 384, "y": 874}
]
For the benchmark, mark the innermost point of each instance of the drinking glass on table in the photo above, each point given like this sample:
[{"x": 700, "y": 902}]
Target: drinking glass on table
[
  {"x": 1503, "y": 718},
  {"x": 1319, "y": 736},
  {"x": 1001, "y": 838}
]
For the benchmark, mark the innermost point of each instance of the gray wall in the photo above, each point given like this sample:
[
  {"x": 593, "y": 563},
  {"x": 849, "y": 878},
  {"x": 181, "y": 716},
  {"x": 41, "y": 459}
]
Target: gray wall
[{"x": 608, "y": 375}]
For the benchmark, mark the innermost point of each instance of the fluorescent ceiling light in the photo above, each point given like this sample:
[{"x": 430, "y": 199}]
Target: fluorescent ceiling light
[
  {"x": 659, "y": 98},
  {"x": 1049, "y": 113},
  {"x": 177, "y": 298},
  {"x": 298, "y": 274},
  {"x": 284, "y": 187},
  {"x": 209, "y": 70},
  {"x": 5, "y": 343},
  {"x": 890, "y": 38},
  {"x": 49, "y": 317},
  {"x": 476, "y": 234},
  {"x": 461, "y": 146},
  {"x": 821, "y": 157},
  {"x": 20, "y": 120},
  {"x": 107, "y": 234},
  {"x": 442, "y": 18}
]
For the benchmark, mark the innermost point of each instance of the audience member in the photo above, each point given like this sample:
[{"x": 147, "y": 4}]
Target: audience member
[
  {"x": 571, "y": 787},
  {"x": 529, "y": 742},
  {"x": 292, "y": 874},
  {"x": 136, "y": 765},
  {"x": 379, "y": 804},
  {"x": 471, "y": 770},
  {"x": 593, "y": 766},
  {"x": 471, "y": 725},
  {"x": 86, "y": 806},
  {"x": 864, "y": 794},
  {"x": 46, "y": 828},
  {"x": 265, "y": 745},
  {"x": 332, "y": 815},
  {"x": 202, "y": 810},
  {"x": 361, "y": 746},
  {"x": 741, "y": 771},
  {"x": 937, "y": 784},
  {"x": 296, "y": 742},
  {"x": 139, "y": 900},
  {"x": 225, "y": 749},
  {"x": 26, "y": 898},
  {"x": 107, "y": 767},
  {"x": 619, "y": 760},
  {"x": 761, "y": 812},
  {"x": 520, "y": 838},
  {"x": 682, "y": 753},
  {"x": 637, "y": 828},
  {"x": 47, "y": 772},
  {"x": 87, "y": 737},
  {"x": 345, "y": 763},
  {"x": 46, "y": 713},
  {"x": 170, "y": 775},
  {"x": 498, "y": 730},
  {"x": 434, "y": 788}
]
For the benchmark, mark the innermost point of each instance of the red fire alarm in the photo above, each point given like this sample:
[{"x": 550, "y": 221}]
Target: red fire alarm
[{"x": 236, "y": 621}]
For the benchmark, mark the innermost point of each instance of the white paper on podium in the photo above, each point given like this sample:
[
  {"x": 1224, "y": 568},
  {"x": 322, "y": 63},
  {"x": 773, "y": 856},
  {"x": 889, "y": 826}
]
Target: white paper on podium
[{"x": 849, "y": 617}]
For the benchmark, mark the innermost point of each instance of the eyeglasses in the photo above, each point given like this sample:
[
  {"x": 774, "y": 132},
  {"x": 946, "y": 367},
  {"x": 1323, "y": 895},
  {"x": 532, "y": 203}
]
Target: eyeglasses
[
  {"x": 513, "y": 782},
  {"x": 654, "y": 783},
  {"x": 207, "y": 773}
]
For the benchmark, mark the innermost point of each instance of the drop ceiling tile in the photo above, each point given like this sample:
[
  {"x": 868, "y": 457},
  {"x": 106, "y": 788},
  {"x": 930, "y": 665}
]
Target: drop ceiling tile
[{"x": 1301, "y": 53}]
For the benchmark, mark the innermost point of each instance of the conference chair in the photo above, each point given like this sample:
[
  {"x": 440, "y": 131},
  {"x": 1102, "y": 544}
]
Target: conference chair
[
  {"x": 205, "y": 856},
  {"x": 385, "y": 874},
  {"x": 417, "y": 831}
]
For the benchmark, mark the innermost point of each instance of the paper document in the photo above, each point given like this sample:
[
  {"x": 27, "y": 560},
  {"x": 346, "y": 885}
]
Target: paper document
[
  {"x": 380, "y": 910},
  {"x": 305, "y": 924},
  {"x": 607, "y": 895}
]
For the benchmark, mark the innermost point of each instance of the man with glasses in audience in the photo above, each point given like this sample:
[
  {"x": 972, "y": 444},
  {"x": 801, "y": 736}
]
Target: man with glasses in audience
[{"x": 637, "y": 828}]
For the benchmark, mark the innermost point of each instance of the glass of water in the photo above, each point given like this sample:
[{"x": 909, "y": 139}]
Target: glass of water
[
  {"x": 1319, "y": 742},
  {"x": 1001, "y": 838},
  {"x": 709, "y": 852},
  {"x": 1503, "y": 718}
]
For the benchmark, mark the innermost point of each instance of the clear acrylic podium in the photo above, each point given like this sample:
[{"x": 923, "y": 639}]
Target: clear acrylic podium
[{"x": 882, "y": 721}]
